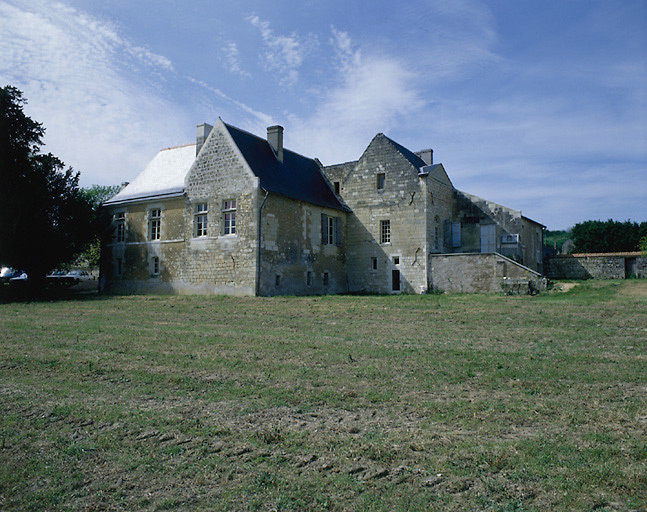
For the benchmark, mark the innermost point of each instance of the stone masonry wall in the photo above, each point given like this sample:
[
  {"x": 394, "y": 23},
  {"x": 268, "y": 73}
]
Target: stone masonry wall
[
  {"x": 402, "y": 202},
  {"x": 478, "y": 273},
  {"x": 293, "y": 258},
  {"x": 135, "y": 254},
  {"x": 596, "y": 266},
  {"x": 221, "y": 263}
]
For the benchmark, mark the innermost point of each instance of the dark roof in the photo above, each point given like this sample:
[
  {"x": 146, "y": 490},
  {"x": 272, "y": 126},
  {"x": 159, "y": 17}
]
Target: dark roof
[
  {"x": 297, "y": 177},
  {"x": 414, "y": 159}
]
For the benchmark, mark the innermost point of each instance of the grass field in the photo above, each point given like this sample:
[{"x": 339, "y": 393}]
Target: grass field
[{"x": 435, "y": 402}]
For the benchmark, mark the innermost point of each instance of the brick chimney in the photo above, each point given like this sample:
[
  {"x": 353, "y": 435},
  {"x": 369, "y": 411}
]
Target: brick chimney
[
  {"x": 427, "y": 156},
  {"x": 204, "y": 130},
  {"x": 275, "y": 139}
]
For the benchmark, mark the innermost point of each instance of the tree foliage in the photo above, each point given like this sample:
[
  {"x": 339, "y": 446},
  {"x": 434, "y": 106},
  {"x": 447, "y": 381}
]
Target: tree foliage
[
  {"x": 608, "y": 236},
  {"x": 44, "y": 218},
  {"x": 96, "y": 195}
]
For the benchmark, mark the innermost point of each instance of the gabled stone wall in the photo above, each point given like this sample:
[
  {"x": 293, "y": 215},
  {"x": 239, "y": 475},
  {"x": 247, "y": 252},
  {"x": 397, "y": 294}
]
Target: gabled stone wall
[{"x": 372, "y": 265}]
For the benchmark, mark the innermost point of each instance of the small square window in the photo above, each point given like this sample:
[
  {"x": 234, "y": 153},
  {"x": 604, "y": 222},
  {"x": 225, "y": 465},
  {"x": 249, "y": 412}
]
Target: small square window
[
  {"x": 396, "y": 260},
  {"x": 381, "y": 180},
  {"x": 326, "y": 279},
  {"x": 277, "y": 280}
]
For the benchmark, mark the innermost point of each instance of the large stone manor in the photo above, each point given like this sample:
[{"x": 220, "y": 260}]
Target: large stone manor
[{"x": 235, "y": 213}]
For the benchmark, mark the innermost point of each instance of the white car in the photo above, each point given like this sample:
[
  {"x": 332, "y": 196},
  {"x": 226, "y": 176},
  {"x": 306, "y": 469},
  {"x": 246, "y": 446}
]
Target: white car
[{"x": 76, "y": 276}]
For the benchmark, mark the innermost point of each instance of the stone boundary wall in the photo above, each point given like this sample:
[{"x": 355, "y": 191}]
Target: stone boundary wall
[
  {"x": 482, "y": 273},
  {"x": 596, "y": 266}
]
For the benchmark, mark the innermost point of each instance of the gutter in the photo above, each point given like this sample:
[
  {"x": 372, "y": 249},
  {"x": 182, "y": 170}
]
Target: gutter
[{"x": 258, "y": 241}]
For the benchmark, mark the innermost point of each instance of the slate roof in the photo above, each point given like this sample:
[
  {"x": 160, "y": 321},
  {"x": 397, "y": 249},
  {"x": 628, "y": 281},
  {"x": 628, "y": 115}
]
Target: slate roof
[
  {"x": 162, "y": 177},
  {"x": 297, "y": 177},
  {"x": 414, "y": 159}
]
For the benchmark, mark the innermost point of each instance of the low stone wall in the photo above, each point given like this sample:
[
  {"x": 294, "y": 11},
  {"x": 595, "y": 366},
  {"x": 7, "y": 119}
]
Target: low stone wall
[
  {"x": 482, "y": 273},
  {"x": 596, "y": 266}
]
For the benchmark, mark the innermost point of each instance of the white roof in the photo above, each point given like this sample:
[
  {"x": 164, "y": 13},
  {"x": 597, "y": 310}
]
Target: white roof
[{"x": 164, "y": 175}]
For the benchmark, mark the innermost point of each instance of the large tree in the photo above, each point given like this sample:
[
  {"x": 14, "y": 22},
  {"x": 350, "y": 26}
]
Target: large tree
[{"x": 44, "y": 218}]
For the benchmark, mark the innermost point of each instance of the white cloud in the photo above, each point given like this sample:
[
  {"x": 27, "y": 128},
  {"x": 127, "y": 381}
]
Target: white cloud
[
  {"x": 68, "y": 66},
  {"x": 372, "y": 94},
  {"x": 283, "y": 55},
  {"x": 231, "y": 56}
]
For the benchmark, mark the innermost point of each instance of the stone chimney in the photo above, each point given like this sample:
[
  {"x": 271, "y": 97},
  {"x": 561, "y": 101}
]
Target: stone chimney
[
  {"x": 427, "y": 156},
  {"x": 275, "y": 138},
  {"x": 204, "y": 130}
]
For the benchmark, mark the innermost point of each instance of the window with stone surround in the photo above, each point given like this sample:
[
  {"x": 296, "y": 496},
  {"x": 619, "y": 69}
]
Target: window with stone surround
[
  {"x": 373, "y": 263},
  {"x": 229, "y": 217},
  {"x": 381, "y": 180},
  {"x": 154, "y": 224},
  {"x": 200, "y": 219},
  {"x": 120, "y": 226},
  {"x": 337, "y": 187},
  {"x": 330, "y": 230},
  {"x": 385, "y": 231},
  {"x": 309, "y": 278},
  {"x": 326, "y": 278}
]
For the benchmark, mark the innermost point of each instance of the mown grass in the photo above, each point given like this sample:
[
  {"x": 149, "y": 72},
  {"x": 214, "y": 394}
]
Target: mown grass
[{"x": 460, "y": 402}]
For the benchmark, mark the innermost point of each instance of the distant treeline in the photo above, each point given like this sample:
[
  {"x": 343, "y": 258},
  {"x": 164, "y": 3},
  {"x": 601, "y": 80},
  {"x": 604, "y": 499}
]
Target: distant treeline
[{"x": 601, "y": 236}]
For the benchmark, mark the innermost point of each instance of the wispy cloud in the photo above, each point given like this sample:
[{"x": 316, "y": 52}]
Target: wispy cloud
[
  {"x": 372, "y": 93},
  {"x": 69, "y": 65},
  {"x": 231, "y": 57},
  {"x": 283, "y": 54}
]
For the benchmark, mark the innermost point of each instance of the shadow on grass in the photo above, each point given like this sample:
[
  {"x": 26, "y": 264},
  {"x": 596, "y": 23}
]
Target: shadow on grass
[{"x": 49, "y": 293}]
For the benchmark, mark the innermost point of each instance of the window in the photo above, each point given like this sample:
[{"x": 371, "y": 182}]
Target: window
[
  {"x": 452, "y": 234},
  {"x": 120, "y": 222},
  {"x": 381, "y": 180},
  {"x": 373, "y": 263},
  {"x": 385, "y": 231},
  {"x": 309, "y": 278},
  {"x": 396, "y": 260},
  {"x": 154, "y": 224},
  {"x": 337, "y": 187},
  {"x": 200, "y": 219},
  {"x": 155, "y": 266},
  {"x": 277, "y": 280},
  {"x": 229, "y": 217},
  {"x": 326, "y": 278},
  {"x": 330, "y": 230}
]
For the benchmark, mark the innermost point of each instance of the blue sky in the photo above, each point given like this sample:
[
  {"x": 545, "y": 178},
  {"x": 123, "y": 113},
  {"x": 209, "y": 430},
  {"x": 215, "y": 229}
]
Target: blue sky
[{"x": 538, "y": 105}]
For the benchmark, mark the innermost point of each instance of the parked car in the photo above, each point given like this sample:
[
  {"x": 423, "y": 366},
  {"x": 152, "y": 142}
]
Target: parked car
[
  {"x": 7, "y": 274},
  {"x": 21, "y": 277},
  {"x": 76, "y": 276},
  {"x": 56, "y": 274}
]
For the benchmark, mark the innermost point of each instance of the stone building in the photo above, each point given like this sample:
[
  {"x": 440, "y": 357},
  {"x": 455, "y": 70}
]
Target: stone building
[{"x": 238, "y": 214}]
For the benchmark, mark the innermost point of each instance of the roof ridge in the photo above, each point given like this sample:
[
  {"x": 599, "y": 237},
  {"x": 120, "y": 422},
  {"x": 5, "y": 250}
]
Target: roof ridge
[{"x": 178, "y": 147}]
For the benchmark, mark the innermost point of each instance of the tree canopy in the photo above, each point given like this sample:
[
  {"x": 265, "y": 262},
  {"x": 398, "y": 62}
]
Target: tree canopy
[
  {"x": 608, "y": 236},
  {"x": 44, "y": 218}
]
